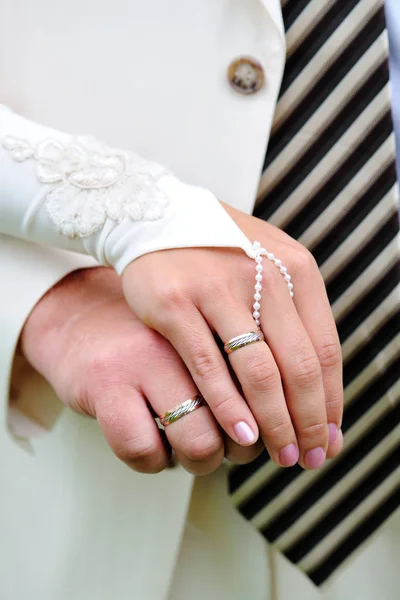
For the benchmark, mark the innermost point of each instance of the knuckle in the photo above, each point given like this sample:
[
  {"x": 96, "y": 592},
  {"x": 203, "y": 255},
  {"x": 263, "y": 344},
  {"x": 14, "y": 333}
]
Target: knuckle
[
  {"x": 138, "y": 451},
  {"x": 280, "y": 430},
  {"x": 172, "y": 300},
  {"x": 306, "y": 372},
  {"x": 334, "y": 404},
  {"x": 204, "y": 446},
  {"x": 205, "y": 366},
  {"x": 316, "y": 431},
  {"x": 173, "y": 296},
  {"x": 330, "y": 353},
  {"x": 105, "y": 367},
  {"x": 155, "y": 348},
  {"x": 303, "y": 262},
  {"x": 100, "y": 361},
  {"x": 224, "y": 405},
  {"x": 261, "y": 374}
]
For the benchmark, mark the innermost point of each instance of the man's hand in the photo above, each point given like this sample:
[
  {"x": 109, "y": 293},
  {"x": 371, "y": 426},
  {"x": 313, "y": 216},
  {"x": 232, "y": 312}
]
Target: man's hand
[
  {"x": 292, "y": 384},
  {"x": 103, "y": 362}
]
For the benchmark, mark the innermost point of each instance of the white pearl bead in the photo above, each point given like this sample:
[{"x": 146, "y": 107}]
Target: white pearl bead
[
  {"x": 258, "y": 322},
  {"x": 258, "y": 253},
  {"x": 256, "y": 314}
]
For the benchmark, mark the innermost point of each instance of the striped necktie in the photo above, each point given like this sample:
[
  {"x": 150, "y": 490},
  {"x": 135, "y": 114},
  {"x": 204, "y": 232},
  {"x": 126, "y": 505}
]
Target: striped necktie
[{"x": 329, "y": 180}]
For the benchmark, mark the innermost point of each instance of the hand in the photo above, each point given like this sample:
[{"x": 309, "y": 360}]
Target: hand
[
  {"x": 103, "y": 362},
  {"x": 292, "y": 384}
]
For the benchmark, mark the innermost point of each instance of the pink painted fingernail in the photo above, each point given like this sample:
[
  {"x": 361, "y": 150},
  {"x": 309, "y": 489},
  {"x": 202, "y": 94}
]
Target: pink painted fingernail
[
  {"x": 288, "y": 456},
  {"x": 315, "y": 458},
  {"x": 244, "y": 434},
  {"x": 333, "y": 432}
]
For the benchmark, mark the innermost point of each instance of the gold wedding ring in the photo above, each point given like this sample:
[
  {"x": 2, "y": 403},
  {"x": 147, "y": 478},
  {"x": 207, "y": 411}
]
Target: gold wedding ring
[
  {"x": 243, "y": 340},
  {"x": 182, "y": 410}
]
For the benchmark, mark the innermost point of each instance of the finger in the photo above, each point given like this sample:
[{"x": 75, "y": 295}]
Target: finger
[
  {"x": 240, "y": 455},
  {"x": 260, "y": 379},
  {"x": 236, "y": 454},
  {"x": 313, "y": 307},
  {"x": 299, "y": 366},
  {"x": 131, "y": 431},
  {"x": 196, "y": 437},
  {"x": 335, "y": 446},
  {"x": 191, "y": 336}
]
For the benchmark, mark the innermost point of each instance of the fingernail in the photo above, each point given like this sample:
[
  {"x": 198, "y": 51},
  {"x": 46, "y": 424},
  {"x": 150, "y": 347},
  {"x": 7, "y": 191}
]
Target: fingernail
[
  {"x": 288, "y": 456},
  {"x": 315, "y": 458},
  {"x": 244, "y": 434},
  {"x": 333, "y": 432}
]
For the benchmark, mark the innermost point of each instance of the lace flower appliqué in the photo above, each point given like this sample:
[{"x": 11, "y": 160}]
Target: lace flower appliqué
[{"x": 90, "y": 182}]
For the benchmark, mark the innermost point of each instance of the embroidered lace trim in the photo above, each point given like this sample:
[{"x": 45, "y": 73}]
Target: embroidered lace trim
[{"x": 90, "y": 182}]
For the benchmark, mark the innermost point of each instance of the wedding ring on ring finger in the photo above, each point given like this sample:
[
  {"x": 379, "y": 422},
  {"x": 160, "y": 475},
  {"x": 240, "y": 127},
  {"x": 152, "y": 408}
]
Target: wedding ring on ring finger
[
  {"x": 183, "y": 409},
  {"x": 240, "y": 341}
]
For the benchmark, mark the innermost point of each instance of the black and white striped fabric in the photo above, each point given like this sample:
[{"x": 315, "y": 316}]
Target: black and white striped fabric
[{"x": 329, "y": 180}]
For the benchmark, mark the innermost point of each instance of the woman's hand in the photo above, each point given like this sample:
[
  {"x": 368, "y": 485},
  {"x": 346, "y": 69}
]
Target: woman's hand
[
  {"x": 292, "y": 384},
  {"x": 103, "y": 362}
]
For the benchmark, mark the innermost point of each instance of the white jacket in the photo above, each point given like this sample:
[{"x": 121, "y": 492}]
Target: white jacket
[{"x": 148, "y": 76}]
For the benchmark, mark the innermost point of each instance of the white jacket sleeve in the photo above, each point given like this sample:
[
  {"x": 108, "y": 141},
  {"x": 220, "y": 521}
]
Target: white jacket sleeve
[
  {"x": 78, "y": 194},
  {"x": 27, "y": 272}
]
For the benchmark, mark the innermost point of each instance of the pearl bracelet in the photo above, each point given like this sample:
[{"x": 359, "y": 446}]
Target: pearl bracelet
[{"x": 259, "y": 253}]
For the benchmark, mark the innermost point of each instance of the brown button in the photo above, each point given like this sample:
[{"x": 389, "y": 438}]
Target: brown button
[{"x": 246, "y": 75}]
